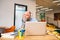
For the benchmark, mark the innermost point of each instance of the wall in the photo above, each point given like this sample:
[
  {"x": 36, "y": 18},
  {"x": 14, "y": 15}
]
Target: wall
[
  {"x": 51, "y": 17},
  {"x": 6, "y": 13},
  {"x": 50, "y": 14},
  {"x": 58, "y": 11},
  {"x": 7, "y": 10}
]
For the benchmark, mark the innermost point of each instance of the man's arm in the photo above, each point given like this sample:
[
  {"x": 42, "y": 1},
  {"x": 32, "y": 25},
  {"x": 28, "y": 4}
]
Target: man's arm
[{"x": 33, "y": 20}]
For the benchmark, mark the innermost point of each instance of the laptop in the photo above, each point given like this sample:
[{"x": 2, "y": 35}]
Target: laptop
[{"x": 35, "y": 28}]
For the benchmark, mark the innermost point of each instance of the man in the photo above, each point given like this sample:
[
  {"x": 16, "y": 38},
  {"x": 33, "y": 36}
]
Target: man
[{"x": 26, "y": 17}]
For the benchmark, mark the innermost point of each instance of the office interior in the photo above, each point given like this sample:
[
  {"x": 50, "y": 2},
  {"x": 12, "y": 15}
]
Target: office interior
[{"x": 47, "y": 13}]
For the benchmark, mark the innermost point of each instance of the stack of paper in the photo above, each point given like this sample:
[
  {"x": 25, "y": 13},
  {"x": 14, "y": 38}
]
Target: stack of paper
[{"x": 8, "y": 35}]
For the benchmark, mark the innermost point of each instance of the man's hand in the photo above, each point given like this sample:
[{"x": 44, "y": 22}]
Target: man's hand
[{"x": 24, "y": 19}]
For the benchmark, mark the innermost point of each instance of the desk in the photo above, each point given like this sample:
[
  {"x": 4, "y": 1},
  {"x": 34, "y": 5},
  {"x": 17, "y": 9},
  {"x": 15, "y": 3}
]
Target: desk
[{"x": 46, "y": 37}]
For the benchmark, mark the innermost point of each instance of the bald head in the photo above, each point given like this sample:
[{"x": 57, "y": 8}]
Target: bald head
[{"x": 27, "y": 15}]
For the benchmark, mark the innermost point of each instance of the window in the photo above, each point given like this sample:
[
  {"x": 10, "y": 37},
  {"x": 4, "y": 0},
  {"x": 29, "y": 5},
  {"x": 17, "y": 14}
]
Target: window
[{"x": 18, "y": 13}]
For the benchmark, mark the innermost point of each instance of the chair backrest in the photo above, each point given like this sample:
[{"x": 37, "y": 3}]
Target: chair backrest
[
  {"x": 10, "y": 29},
  {"x": 2, "y": 30}
]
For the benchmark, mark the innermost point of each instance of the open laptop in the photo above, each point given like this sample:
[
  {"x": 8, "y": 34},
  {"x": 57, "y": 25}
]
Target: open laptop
[{"x": 35, "y": 28}]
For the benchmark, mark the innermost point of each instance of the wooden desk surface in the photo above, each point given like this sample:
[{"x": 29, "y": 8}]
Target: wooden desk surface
[{"x": 46, "y": 37}]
